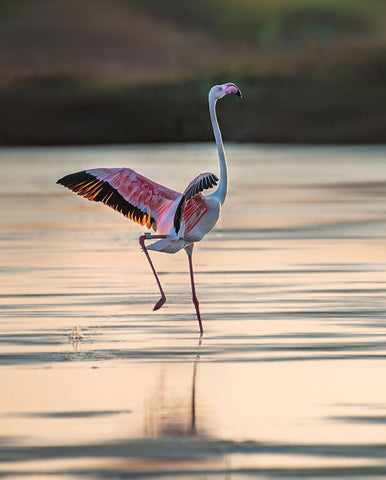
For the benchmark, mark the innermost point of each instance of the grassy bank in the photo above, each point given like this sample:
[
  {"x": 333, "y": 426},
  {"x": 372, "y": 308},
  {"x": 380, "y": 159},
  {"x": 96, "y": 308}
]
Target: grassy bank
[
  {"x": 330, "y": 106},
  {"x": 108, "y": 71}
]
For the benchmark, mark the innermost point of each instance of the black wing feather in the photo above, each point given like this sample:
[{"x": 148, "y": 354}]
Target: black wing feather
[
  {"x": 204, "y": 183},
  {"x": 90, "y": 187}
]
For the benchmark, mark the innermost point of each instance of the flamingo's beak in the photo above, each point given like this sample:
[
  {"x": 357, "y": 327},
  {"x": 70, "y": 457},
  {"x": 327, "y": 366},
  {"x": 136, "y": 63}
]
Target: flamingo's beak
[{"x": 231, "y": 88}]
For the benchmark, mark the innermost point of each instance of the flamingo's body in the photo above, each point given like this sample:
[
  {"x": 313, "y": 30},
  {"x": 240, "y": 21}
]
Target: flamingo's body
[{"x": 178, "y": 219}]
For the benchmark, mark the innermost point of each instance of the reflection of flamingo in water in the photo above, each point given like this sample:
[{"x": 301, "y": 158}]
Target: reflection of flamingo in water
[
  {"x": 167, "y": 416},
  {"x": 179, "y": 220}
]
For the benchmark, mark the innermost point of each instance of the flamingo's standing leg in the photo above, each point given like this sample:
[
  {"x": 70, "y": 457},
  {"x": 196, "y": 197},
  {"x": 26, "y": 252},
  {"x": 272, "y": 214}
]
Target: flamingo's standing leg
[
  {"x": 189, "y": 251},
  {"x": 142, "y": 239}
]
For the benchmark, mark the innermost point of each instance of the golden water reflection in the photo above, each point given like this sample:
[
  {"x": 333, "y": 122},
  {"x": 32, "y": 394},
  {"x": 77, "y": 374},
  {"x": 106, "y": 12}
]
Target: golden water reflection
[{"x": 289, "y": 378}]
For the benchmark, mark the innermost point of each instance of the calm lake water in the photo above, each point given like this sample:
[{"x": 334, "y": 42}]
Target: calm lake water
[{"x": 289, "y": 379}]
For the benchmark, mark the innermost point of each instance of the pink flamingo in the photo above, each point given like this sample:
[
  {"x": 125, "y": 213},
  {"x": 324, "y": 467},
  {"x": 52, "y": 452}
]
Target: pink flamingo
[{"x": 179, "y": 220}]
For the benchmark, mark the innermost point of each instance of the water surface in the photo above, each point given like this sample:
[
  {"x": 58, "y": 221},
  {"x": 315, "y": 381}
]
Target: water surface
[{"x": 288, "y": 380}]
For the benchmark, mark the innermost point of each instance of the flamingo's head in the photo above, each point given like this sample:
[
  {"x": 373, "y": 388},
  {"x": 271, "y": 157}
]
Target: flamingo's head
[{"x": 219, "y": 91}]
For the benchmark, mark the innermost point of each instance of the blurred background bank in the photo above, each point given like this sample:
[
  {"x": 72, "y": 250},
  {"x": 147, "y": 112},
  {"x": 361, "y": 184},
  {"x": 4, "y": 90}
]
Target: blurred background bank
[{"x": 124, "y": 71}]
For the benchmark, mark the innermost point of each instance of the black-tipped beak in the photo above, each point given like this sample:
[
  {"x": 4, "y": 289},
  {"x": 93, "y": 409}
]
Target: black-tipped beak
[{"x": 238, "y": 93}]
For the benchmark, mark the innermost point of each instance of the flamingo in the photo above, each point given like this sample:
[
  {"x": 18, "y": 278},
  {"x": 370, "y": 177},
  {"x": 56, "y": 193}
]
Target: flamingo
[{"x": 179, "y": 220}]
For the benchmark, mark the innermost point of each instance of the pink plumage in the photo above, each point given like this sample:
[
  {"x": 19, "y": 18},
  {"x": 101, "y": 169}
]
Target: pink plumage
[{"x": 150, "y": 197}]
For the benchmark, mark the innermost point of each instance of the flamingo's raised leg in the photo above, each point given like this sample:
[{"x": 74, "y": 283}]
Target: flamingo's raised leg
[
  {"x": 142, "y": 239},
  {"x": 189, "y": 251}
]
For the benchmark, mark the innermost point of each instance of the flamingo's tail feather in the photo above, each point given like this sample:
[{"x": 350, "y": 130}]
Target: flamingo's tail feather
[{"x": 168, "y": 245}]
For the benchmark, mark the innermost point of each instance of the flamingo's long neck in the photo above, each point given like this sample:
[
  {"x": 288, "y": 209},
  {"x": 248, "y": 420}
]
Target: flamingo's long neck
[{"x": 221, "y": 191}]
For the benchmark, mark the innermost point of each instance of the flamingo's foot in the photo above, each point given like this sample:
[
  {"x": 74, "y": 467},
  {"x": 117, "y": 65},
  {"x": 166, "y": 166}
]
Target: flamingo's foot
[{"x": 159, "y": 304}]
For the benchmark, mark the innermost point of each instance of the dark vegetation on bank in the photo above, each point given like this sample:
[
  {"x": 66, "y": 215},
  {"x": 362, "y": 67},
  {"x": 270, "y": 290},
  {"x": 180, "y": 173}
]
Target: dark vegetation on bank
[{"x": 128, "y": 71}]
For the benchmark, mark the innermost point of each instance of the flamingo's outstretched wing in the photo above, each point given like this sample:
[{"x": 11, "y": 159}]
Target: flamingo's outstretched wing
[
  {"x": 202, "y": 182},
  {"x": 126, "y": 191}
]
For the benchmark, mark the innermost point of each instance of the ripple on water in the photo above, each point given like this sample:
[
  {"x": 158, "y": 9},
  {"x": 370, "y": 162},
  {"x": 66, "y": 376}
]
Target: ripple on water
[{"x": 288, "y": 381}]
